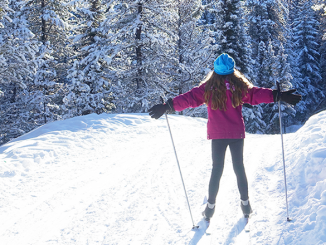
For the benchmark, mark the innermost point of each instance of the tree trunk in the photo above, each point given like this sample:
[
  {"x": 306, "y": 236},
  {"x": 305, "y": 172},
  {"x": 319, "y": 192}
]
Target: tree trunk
[
  {"x": 179, "y": 34},
  {"x": 138, "y": 48},
  {"x": 13, "y": 98},
  {"x": 44, "y": 114},
  {"x": 43, "y": 34}
]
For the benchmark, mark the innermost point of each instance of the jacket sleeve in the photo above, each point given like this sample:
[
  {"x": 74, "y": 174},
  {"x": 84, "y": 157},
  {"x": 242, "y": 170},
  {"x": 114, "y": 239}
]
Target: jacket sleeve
[
  {"x": 257, "y": 96},
  {"x": 192, "y": 98}
]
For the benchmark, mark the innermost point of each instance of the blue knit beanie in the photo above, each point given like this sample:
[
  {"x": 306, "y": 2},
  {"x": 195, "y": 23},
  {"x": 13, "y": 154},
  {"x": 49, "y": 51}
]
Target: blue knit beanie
[{"x": 224, "y": 64}]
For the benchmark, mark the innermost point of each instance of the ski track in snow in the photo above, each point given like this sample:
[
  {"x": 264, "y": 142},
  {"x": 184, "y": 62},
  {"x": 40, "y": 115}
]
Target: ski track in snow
[{"x": 113, "y": 179}]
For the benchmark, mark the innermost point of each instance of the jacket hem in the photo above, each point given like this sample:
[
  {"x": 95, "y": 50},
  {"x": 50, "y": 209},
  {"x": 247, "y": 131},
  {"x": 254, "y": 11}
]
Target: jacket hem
[{"x": 226, "y": 136}]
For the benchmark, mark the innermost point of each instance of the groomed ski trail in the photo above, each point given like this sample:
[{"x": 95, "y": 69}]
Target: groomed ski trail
[{"x": 113, "y": 179}]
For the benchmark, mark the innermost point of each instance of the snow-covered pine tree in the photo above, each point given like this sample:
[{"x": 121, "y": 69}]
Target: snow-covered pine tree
[
  {"x": 270, "y": 74},
  {"x": 321, "y": 10},
  {"x": 16, "y": 57},
  {"x": 46, "y": 92},
  {"x": 307, "y": 77},
  {"x": 323, "y": 71},
  {"x": 253, "y": 118},
  {"x": 17, "y": 50},
  {"x": 89, "y": 88},
  {"x": 17, "y": 69},
  {"x": 14, "y": 116},
  {"x": 293, "y": 12},
  {"x": 323, "y": 45},
  {"x": 268, "y": 29},
  {"x": 282, "y": 74},
  {"x": 3, "y": 12},
  {"x": 194, "y": 52},
  {"x": 267, "y": 22},
  {"x": 140, "y": 51},
  {"x": 46, "y": 89},
  {"x": 273, "y": 68},
  {"x": 231, "y": 35},
  {"x": 194, "y": 49},
  {"x": 266, "y": 75},
  {"x": 48, "y": 20},
  {"x": 253, "y": 115},
  {"x": 4, "y": 9},
  {"x": 283, "y": 69},
  {"x": 208, "y": 16},
  {"x": 44, "y": 21}
]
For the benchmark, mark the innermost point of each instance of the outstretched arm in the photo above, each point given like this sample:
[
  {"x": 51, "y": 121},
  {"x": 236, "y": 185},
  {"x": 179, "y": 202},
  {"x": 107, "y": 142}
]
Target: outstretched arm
[
  {"x": 193, "y": 98},
  {"x": 257, "y": 95}
]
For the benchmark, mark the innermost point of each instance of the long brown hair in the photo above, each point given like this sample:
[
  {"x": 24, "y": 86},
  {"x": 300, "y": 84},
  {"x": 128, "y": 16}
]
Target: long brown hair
[{"x": 215, "y": 89}]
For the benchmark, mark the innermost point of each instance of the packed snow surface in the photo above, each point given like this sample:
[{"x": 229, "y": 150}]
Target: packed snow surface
[{"x": 113, "y": 179}]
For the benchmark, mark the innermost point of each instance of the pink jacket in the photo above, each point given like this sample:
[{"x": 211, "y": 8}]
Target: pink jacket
[{"x": 221, "y": 124}]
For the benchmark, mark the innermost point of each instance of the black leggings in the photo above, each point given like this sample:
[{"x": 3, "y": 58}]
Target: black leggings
[{"x": 218, "y": 154}]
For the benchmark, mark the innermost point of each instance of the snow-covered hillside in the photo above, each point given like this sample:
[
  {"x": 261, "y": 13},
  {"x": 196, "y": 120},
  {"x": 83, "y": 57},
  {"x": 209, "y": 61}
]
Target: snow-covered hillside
[{"x": 113, "y": 179}]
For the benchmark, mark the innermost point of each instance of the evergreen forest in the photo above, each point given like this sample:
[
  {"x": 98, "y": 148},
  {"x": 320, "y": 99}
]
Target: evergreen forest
[{"x": 65, "y": 58}]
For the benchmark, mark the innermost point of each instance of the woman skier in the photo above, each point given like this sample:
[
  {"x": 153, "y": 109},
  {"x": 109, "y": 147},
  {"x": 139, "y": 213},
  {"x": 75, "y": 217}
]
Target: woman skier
[{"x": 224, "y": 91}]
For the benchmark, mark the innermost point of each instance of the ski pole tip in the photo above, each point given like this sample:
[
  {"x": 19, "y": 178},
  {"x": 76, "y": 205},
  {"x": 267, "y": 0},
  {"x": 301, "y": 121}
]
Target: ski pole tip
[{"x": 288, "y": 219}]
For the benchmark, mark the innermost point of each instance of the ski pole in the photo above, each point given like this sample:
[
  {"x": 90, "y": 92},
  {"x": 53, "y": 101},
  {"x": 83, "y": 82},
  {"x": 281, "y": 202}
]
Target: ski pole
[
  {"x": 280, "y": 119},
  {"x": 176, "y": 156}
]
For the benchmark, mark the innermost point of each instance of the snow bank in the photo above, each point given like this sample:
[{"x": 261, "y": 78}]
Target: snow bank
[
  {"x": 306, "y": 170},
  {"x": 53, "y": 142}
]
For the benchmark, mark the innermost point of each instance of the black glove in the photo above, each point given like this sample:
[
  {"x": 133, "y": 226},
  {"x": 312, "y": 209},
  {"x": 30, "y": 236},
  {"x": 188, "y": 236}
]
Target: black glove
[
  {"x": 158, "y": 110},
  {"x": 287, "y": 96}
]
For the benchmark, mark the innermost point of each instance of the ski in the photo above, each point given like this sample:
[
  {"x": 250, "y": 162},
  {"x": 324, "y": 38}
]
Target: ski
[
  {"x": 247, "y": 223},
  {"x": 202, "y": 227},
  {"x": 207, "y": 223}
]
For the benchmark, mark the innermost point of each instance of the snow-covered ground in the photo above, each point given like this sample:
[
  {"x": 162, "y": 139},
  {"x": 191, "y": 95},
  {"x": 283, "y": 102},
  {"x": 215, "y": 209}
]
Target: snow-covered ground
[{"x": 113, "y": 179}]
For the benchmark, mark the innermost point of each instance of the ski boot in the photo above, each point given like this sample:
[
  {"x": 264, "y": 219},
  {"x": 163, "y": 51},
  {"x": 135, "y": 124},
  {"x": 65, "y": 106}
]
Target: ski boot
[
  {"x": 209, "y": 211},
  {"x": 246, "y": 208}
]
